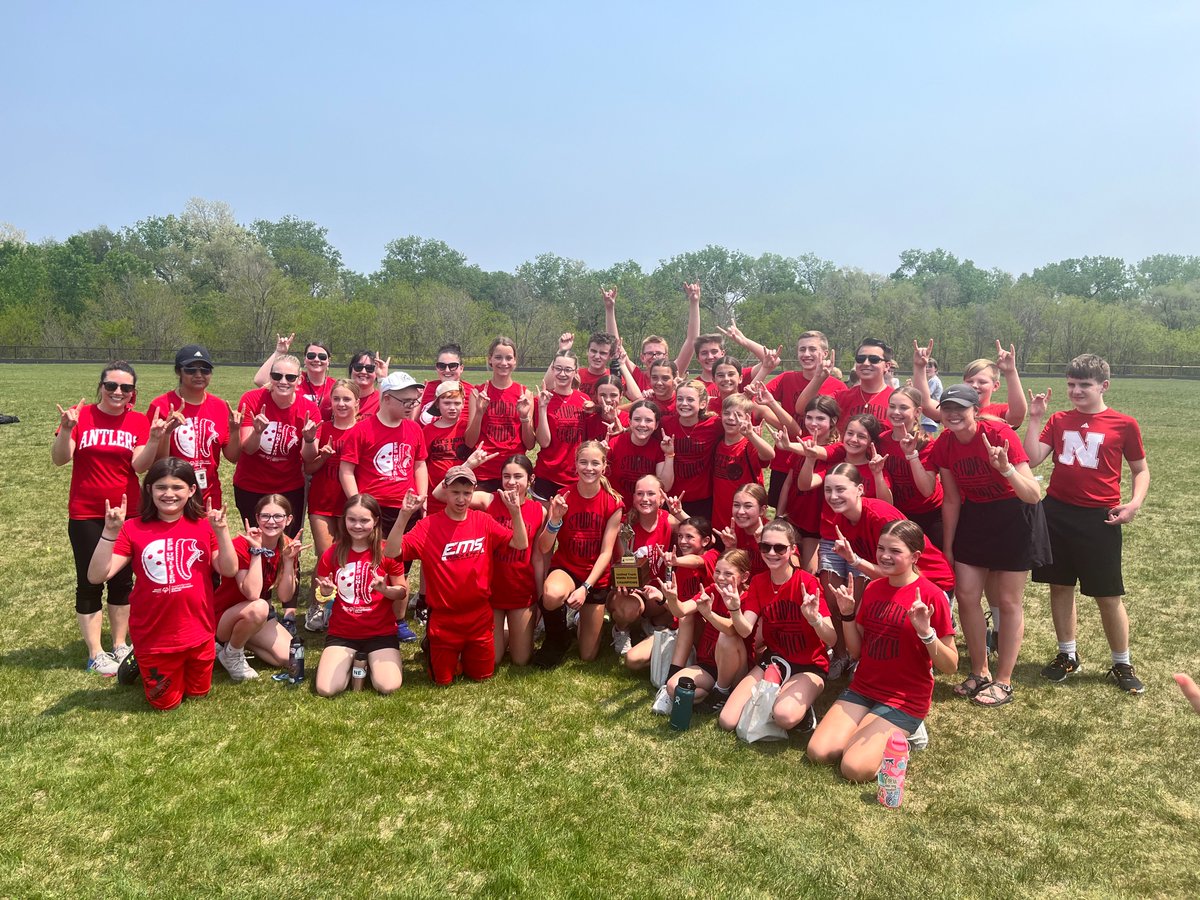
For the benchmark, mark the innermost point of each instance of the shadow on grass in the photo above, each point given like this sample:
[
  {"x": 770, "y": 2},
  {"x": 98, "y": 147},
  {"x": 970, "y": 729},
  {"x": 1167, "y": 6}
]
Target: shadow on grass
[
  {"x": 110, "y": 698},
  {"x": 68, "y": 656}
]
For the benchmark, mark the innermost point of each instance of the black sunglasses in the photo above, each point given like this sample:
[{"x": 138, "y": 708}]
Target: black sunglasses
[
  {"x": 113, "y": 386},
  {"x": 447, "y": 367},
  {"x": 778, "y": 549},
  {"x": 196, "y": 370},
  {"x": 868, "y": 357},
  {"x": 280, "y": 376},
  {"x": 363, "y": 367},
  {"x": 320, "y": 356}
]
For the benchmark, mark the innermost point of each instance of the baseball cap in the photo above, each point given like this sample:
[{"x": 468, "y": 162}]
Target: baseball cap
[
  {"x": 460, "y": 473},
  {"x": 192, "y": 353},
  {"x": 960, "y": 395},
  {"x": 446, "y": 387},
  {"x": 397, "y": 381}
]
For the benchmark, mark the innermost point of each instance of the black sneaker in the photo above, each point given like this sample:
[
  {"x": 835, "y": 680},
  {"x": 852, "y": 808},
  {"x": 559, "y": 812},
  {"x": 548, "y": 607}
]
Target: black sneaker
[
  {"x": 809, "y": 724},
  {"x": 128, "y": 672},
  {"x": 717, "y": 700},
  {"x": 1126, "y": 681},
  {"x": 1062, "y": 667}
]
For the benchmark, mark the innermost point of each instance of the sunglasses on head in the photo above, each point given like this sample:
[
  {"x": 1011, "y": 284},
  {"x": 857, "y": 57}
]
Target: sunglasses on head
[
  {"x": 363, "y": 367},
  {"x": 447, "y": 367},
  {"x": 280, "y": 376},
  {"x": 872, "y": 358},
  {"x": 777, "y": 549},
  {"x": 196, "y": 370},
  {"x": 320, "y": 356},
  {"x": 114, "y": 386}
]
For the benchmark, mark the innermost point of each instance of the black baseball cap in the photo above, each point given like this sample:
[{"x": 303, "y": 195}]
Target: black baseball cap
[
  {"x": 960, "y": 395},
  {"x": 192, "y": 353}
]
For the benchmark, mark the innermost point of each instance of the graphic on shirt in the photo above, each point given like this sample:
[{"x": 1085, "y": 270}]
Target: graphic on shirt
[
  {"x": 394, "y": 460},
  {"x": 462, "y": 549},
  {"x": 353, "y": 582},
  {"x": 278, "y": 439},
  {"x": 194, "y": 437},
  {"x": 1081, "y": 448},
  {"x": 168, "y": 560},
  {"x": 105, "y": 437}
]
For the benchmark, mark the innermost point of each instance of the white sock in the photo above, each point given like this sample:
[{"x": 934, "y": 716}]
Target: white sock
[
  {"x": 1066, "y": 647},
  {"x": 1120, "y": 659},
  {"x": 995, "y": 611}
]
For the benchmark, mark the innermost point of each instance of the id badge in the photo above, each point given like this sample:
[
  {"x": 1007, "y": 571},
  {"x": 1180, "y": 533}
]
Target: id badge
[{"x": 202, "y": 479}]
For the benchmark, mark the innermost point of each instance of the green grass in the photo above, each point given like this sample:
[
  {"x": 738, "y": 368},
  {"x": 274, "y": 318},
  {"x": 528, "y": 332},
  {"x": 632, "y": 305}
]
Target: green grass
[{"x": 563, "y": 783}]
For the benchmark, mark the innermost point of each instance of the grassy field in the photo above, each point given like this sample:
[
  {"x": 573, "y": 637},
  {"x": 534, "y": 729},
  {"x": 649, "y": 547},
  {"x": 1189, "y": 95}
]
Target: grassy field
[{"x": 563, "y": 783}]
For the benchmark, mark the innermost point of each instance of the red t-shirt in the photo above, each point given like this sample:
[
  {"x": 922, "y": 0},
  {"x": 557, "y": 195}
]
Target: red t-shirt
[
  {"x": 748, "y": 542},
  {"x": 171, "y": 607},
  {"x": 642, "y": 380},
  {"x": 786, "y": 387},
  {"x": 385, "y": 458},
  {"x": 855, "y": 400},
  {"x": 837, "y": 454},
  {"x": 325, "y": 494},
  {"x": 894, "y": 666},
  {"x": 102, "y": 465},
  {"x": 199, "y": 440},
  {"x": 733, "y": 465},
  {"x": 359, "y": 612},
  {"x": 906, "y": 496},
  {"x": 277, "y": 465},
  {"x": 456, "y": 559},
  {"x": 804, "y": 507},
  {"x": 596, "y": 429},
  {"x": 694, "y": 448},
  {"x": 447, "y": 448},
  {"x": 564, "y": 413},
  {"x": 785, "y": 631},
  {"x": 229, "y": 594},
  {"x": 1087, "y": 449},
  {"x": 977, "y": 481},
  {"x": 320, "y": 397},
  {"x": 587, "y": 381},
  {"x": 582, "y": 533},
  {"x": 513, "y": 584},
  {"x": 706, "y": 646},
  {"x": 999, "y": 410},
  {"x": 665, "y": 407},
  {"x": 656, "y": 542},
  {"x": 688, "y": 581},
  {"x": 500, "y": 431},
  {"x": 628, "y": 462},
  {"x": 863, "y": 536}
]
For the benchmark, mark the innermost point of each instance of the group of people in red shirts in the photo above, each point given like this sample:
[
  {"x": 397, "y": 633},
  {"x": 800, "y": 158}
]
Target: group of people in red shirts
[{"x": 880, "y": 521}]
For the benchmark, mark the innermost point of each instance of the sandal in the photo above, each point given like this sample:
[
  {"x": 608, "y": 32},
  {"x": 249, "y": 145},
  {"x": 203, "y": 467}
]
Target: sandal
[
  {"x": 995, "y": 694},
  {"x": 972, "y": 685}
]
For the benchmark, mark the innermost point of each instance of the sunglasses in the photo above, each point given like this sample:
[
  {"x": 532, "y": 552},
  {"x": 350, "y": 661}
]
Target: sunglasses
[
  {"x": 868, "y": 358},
  {"x": 280, "y": 376},
  {"x": 320, "y": 356},
  {"x": 271, "y": 517},
  {"x": 114, "y": 387},
  {"x": 363, "y": 367},
  {"x": 777, "y": 549},
  {"x": 447, "y": 367},
  {"x": 196, "y": 370}
]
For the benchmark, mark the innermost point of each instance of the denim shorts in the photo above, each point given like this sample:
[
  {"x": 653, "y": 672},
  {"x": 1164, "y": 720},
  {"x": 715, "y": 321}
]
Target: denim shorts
[
  {"x": 828, "y": 561},
  {"x": 898, "y": 717}
]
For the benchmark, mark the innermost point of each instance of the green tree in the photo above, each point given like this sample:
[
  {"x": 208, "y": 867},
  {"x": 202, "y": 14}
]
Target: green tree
[{"x": 302, "y": 251}]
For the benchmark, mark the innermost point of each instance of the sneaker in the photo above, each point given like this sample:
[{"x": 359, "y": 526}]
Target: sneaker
[
  {"x": 843, "y": 665},
  {"x": 121, "y": 651},
  {"x": 1061, "y": 667},
  {"x": 919, "y": 739},
  {"x": 129, "y": 672},
  {"x": 316, "y": 619},
  {"x": 572, "y": 619},
  {"x": 235, "y": 664},
  {"x": 809, "y": 723},
  {"x": 717, "y": 700},
  {"x": 621, "y": 641},
  {"x": 1122, "y": 673},
  {"x": 406, "y": 634},
  {"x": 420, "y": 610},
  {"x": 103, "y": 664},
  {"x": 662, "y": 702}
]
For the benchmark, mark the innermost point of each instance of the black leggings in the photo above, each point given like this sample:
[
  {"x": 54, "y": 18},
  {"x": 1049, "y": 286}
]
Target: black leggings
[
  {"x": 245, "y": 501},
  {"x": 85, "y": 535}
]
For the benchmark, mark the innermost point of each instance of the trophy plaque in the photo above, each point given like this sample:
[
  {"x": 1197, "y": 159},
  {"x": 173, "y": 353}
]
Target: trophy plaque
[{"x": 629, "y": 572}]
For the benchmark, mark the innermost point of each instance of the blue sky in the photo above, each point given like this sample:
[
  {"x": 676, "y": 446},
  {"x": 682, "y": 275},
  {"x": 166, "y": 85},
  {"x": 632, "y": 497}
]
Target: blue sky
[{"x": 1014, "y": 135}]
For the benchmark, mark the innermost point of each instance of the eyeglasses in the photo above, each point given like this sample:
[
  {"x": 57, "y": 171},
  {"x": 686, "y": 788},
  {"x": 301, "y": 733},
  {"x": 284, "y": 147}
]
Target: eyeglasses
[
  {"x": 271, "y": 517},
  {"x": 448, "y": 367},
  {"x": 114, "y": 387},
  {"x": 872, "y": 358},
  {"x": 563, "y": 370},
  {"x": 280, "y": 376},
  {"x": 363, "y": 367},
  {"x": 196, "y": 370},
  {"x": 777, "y": 549},
  {"x": 407, "y": 404},
  {"x": 320, "y": 356}
]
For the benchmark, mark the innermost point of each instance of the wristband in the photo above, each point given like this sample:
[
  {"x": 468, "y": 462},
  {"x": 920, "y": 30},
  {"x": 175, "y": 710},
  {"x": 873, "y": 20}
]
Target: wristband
[
  {"x": 847, "y": 618},
  {"x": 913, "y": 455},
  {"x": 1008, "y": 472},
  {"x": 929, "y": 639},
  {"x": 310, "y": 440},
  {"x": 733, "y": 608},
  {"x": 670, "y": 455},
  {"x": 104, "y": 537},
  {"x": 552, "y": 528}
]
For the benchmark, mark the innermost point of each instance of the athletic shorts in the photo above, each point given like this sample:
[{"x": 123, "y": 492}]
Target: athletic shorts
[
  {"x": 1086, "y": 550},
  {"x": 448, "y": 646},
  {"x": 828, "y": 561},
  {"x": 931, "y": 524},
  {"x": 597, "y": 595},
  {"x": 776, "y": 488},
  {"x": 366, "y": 645},
  {"x": 389, "y": 515},
  {"x": 796, "y": 668},
  {"x": 898, "y": 717},
  {"x": 169, "y": 677},
  {"x": 1004, "y": 535},
  {"x": 543, "y": 489}
]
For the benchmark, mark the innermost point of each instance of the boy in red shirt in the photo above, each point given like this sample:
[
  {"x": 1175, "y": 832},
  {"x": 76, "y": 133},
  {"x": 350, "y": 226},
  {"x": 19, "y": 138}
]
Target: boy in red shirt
[
  {"x": 1084, "y": 511},
  {"x": 456, "y": 547}
]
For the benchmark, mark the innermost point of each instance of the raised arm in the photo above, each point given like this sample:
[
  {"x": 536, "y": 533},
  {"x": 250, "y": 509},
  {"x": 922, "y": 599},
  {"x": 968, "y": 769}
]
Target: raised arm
[
  {"x": 684, "y": 358},
  {"x": 283, "y": 346},
  {"x": 1006, "y": 362},
  {"x": 1034, "y": 448}
]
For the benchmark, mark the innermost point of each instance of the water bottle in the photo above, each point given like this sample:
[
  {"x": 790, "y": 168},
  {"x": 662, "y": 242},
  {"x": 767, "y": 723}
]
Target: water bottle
[
  {"x": 681, "y": 706},
  {"x": 296, "y": 661},
  {"x": 358, "y": 674},
  {"x": 892, "y": 770}
]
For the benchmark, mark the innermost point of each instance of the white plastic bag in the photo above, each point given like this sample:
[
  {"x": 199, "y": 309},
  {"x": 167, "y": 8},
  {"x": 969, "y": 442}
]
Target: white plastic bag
[
  {"x": 661, "y": 652},
  {"x": 755, "y": 722}
]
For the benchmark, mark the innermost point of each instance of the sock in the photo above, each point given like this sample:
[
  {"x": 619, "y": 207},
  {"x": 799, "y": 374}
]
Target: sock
[
  {"x": 723, "y": 691},
  {"x": 995, "y": 611},
  {"x": 1066, "y": 647},
  {"x": 1120, "y": 659},
  {"x": 672, "y": 669},
  {"x": 556, "y": 625}
]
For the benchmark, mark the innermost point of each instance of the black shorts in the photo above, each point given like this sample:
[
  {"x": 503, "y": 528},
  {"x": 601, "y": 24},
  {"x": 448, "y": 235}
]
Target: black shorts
[
  {"x": 543, "y": 489},
  {"x": 796, "y": 668},
  {"x": 1086, "y": 550},
  {"x": 709, "y": 668},
  {"x": 365, "y": 645},
  {"x": 1004, "y": 535},
  {"x": 702, "y": 507},
  {"x": 931, "y": 524},
  {"x": 597, "y": 595},
  {"x": 776, "y": 488},
  {"x": 389, "y": 515}
]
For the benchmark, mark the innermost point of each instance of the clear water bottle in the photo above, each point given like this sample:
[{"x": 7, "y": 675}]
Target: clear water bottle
[
  {"x": 681, "y": 706},
  {"x": 892, "y": 770},
  {"x": 358, "y": 674}
]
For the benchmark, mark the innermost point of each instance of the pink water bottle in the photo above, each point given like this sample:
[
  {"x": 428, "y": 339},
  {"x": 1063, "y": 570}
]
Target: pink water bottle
[{"x": 892, "y": 770}]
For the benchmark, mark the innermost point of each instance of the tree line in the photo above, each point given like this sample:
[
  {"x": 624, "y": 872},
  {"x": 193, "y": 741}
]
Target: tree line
[{"x": 145, "y": 289}]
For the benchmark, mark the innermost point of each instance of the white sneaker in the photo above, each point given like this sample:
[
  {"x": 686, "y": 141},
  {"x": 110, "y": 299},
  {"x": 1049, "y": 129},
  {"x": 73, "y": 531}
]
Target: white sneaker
[
  {"x": 572, "y": 619},
  {"x": 621, "y": 641},
  {"x": 316, "y": 619},
  {"x": 121, "y": 651},
  {"x": 103, "y": 664},
  {"x": 662, "y": 702},
  {"x": 235, "y": 664},
  {"x": 919, "y": 739}
]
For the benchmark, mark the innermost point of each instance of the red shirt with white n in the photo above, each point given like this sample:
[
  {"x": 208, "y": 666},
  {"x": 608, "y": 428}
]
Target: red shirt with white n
[
  {"x": 276, "y": 466},
  {"x": 786, "y": 388},
  {"x": 1087, "y": 449},
  {"x": 171, "y": 607},
  {"x": 627, "y": 462},
  {"x": 855, "y": 400},
  {"x": 582, "y": 533},
  {"x": 785, "y": 631},
  {"x": 228, "y": 592},
  {"x": 102, "y": 465},
  {"x": 894, "y": 667},
  {"x": 564, "y": 414},
  {"x": 733, "y": 465},
  {"x": 358, "y": 611},
  {"x": 977, "y": 481},
  {"x": 385, "y": 458},
  {"x": 200, "y": 439},
  {"x": 500, "y": 431},
  {"x": 325, "y": 494},
  {"x": 456, "y": 559},
  {"x": 447, "y": 448},
  {"x": 694, "y": 448},
  {"x": 513, "y": 584},
  {"x": 863, "y": 536}
]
